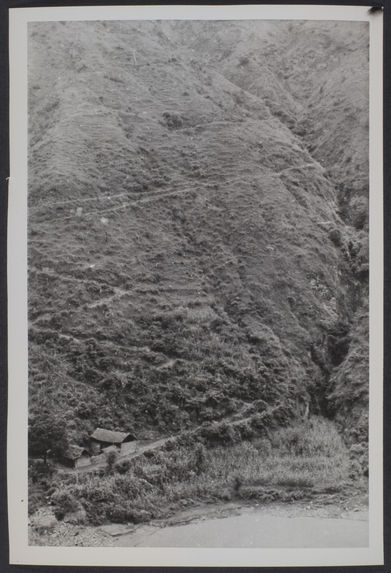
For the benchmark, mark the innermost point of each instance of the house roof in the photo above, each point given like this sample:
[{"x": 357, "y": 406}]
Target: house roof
[
  {"x": 74, "y": 452},
  {"x": 109, "y": 436}
]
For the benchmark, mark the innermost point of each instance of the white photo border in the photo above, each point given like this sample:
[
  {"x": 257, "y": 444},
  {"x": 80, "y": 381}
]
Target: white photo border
[{"x": 20, "y": 551}]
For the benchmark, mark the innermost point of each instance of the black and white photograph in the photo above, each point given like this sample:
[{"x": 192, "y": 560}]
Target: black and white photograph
[{"x": 198, "y": 278}]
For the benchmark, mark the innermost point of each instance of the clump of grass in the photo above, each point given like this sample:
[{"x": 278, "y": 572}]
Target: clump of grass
[
  {"x": 64, "y": 503},
  {"x": 314, "y": 437}
]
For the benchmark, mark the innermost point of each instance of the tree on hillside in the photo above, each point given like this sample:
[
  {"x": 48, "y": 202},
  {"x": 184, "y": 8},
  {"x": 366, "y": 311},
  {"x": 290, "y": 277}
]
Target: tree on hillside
[{"x": 47, "y": 435}]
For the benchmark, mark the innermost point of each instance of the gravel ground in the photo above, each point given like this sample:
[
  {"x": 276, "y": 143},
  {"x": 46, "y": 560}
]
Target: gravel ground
[
  {"x": 68, "y": 535},
  {"x": 45, "y": 530}
]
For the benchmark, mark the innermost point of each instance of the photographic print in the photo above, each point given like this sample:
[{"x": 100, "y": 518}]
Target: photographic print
[{"x": 197, "y": 299}]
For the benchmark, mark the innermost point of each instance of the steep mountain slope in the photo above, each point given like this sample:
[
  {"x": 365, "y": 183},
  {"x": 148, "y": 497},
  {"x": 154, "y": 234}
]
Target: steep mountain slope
[
  {"x": 314, "y": 77},
  {"x": 188, "y": 256}
]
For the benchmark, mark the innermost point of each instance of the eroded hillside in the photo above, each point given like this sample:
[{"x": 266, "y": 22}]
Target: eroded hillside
[{"x": 197, "y": 222}]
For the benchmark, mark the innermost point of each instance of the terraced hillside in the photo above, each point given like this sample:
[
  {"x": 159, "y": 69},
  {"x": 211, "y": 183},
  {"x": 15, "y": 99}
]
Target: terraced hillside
[{"x": 197, "y": 223}]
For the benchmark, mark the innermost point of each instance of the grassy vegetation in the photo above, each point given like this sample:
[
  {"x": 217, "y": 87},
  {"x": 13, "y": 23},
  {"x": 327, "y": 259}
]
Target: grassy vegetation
[{"x": 293, "y": 463}]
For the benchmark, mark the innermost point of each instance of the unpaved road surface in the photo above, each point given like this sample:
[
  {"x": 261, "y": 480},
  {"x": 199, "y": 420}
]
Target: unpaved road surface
[{"x": 257, "y": 528}]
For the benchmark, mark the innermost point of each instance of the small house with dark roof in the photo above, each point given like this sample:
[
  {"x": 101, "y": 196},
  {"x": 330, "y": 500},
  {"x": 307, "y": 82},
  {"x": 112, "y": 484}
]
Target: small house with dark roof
[
  {"x": 76, "y": 457},
  {"x": 102, "y": 439}
]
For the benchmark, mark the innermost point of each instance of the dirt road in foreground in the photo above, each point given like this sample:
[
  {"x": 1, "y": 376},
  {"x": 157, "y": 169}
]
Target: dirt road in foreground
[{"x": 257, "y": 527}]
